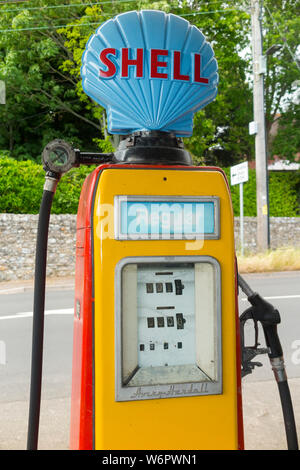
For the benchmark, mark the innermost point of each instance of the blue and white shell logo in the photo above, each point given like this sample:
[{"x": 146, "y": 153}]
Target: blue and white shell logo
[{"x": 151, "y": 71}]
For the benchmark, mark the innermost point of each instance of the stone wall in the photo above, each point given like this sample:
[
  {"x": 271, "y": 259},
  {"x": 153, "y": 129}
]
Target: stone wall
[
  {"x": 284, "y": 231},
  {"x": 18, "y": 238}
]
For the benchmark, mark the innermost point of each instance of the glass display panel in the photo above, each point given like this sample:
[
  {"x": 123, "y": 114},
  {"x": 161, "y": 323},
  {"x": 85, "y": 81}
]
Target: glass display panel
[
  {"x": 170, "y": 319},
  {"x": 166, "y": 217}
]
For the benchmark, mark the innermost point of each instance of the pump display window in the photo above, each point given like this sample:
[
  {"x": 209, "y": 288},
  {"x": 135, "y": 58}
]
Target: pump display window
[{"x": 170, "y": 325}]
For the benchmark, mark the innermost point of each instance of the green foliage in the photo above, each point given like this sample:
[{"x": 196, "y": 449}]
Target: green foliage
[
  {"x": 41, "y": 100},
  {"x": 284, "y": 191},
  {"x": 104, "y": 145},
  {"x": 219, "y": 129},
  {"x": 21, "y": 187},
  {"x": 287, "y": 141},
  {"x": 281, "y": 26},
  {"x": 40, "y": 59},
  {"x": 249, "y": 195},
  {"x": 68, "y": 190},
  {"x": 220, "y": 135}
]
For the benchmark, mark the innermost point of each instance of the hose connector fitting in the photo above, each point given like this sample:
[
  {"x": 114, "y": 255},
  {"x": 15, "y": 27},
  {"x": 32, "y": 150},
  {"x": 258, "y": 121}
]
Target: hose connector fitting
[
  {"x": 51, "y": 181},
  {"x": 278, "y": 367}
]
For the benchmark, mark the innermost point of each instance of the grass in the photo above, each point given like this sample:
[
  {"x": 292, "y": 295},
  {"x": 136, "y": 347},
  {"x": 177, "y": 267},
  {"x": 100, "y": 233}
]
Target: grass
[{"x": 281, "y": 259}]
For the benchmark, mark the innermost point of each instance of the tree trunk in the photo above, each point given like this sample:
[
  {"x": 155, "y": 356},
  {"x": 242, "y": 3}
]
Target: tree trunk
[{"x": 11, "y": 138}]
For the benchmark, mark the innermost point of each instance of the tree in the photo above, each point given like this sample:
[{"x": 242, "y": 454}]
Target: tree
[
  {"x": 41, "y": 44},
  {"x": 227, "y": 139},
  {"x": 281, "y": 27},
  {"x": 42, "y": 102},
  {"x": 219, "y": 129},
  {"x": 286, "y": 143}
]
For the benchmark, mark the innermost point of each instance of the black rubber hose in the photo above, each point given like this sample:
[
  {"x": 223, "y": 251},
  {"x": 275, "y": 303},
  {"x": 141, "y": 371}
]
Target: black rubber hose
[
  {"x": 38, "y": 320},
  {"x": 288, "y": 415}
]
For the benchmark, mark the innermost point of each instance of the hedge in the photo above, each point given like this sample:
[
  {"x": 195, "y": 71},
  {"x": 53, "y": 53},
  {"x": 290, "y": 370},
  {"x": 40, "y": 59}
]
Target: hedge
[
  {"x": 21, "y": 187},
  {"x": 284, "y": 192}
]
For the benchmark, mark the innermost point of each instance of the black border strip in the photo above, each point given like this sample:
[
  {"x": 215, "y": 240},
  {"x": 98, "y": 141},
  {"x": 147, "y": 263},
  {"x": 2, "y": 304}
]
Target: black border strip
[{"x": 93, "y": 297}]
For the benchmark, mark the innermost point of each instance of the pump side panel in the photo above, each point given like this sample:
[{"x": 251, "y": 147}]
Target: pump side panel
[
  {"x": 81, "y": 428},
  {"x": 199, "y": 422}
]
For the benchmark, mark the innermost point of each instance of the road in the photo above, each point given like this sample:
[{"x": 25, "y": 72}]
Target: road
[
  {"x": 281, "y": 289},
  {"x": 16, "y": 332}
]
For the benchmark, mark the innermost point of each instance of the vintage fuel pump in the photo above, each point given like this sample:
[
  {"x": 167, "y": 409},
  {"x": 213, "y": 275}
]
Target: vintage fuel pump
[{"x": 157, "y": 358}]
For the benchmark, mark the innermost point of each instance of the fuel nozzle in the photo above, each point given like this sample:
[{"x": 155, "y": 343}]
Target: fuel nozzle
[{"x": 269, "y": 317}]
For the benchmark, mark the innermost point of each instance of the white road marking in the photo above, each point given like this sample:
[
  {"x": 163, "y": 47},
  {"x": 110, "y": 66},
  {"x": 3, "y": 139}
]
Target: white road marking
[
  {"x": 61, "y": 311},
  {"x": 70, "y": 311},
  {"x": 296, "y": 296},
  {"x": 12, "y": 290}
]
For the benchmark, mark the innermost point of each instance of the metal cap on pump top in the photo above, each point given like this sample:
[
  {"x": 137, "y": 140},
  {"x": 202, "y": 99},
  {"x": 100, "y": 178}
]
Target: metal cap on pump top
[{"x": 152, "y": 147}]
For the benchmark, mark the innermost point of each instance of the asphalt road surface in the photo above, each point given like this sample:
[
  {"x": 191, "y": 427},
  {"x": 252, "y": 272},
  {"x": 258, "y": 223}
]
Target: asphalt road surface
[{"x": 281, "y": 289}]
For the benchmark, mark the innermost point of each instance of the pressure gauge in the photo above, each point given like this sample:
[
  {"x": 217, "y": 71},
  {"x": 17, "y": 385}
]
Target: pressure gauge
[{"x": 58, "y": 156}]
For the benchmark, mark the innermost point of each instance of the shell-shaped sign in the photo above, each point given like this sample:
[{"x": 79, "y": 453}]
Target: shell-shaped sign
[{"x": 151, "y": 71}]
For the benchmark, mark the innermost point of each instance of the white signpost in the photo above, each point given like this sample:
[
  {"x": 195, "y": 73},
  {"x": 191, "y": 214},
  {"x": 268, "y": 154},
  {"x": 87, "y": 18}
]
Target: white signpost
[
  {"x": 2, "y": 92},
  {"x": 239, "y": 175}
]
